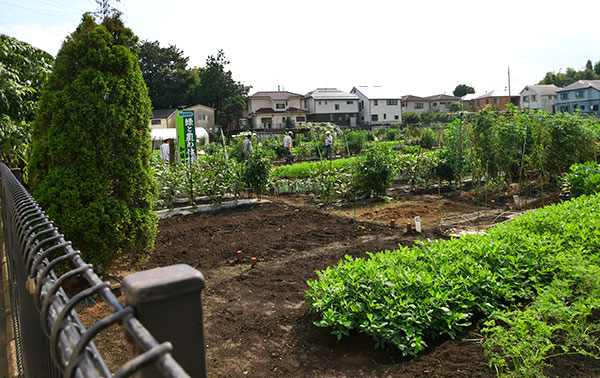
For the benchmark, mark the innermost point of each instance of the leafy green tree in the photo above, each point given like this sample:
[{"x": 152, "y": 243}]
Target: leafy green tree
[
  {"x": 23, "y": 71},
  {"x": 170, "y": 83},
  {"x": 462, "y": 90},
  {"x": 571, "y": 75},
  {"x": 219, "y": 90},
  {"x": 90, "y": 164}
]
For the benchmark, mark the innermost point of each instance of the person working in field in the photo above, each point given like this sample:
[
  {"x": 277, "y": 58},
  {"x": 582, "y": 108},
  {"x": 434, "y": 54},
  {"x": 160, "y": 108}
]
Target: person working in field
[
  {"x": 287, "y": 146},
  {"x": 328, "y": 145},
  {"x": 247, "y": 147},
  {"x": 165, "y": 151}
]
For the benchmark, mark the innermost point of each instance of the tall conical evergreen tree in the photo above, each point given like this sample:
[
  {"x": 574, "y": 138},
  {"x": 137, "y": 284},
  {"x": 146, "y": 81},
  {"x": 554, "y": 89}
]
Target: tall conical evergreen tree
[{"x": 90, "y": 164}]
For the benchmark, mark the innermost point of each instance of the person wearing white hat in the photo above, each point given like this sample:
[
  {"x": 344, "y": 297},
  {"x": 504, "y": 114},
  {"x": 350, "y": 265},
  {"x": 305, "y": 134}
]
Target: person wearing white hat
[
  {"x": 287, "y": 146},
  {"x": 328, "y": 145}
]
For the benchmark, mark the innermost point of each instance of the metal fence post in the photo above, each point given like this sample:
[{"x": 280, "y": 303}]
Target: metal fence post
[{"x": 168, "y": 302}]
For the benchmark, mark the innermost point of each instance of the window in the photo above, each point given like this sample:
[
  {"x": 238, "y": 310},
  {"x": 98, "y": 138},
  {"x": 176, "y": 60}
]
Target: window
[
  {"x": 487, "y": 101},
  {"x": 533, "y": 98},
  {"x": 202, "y": 117},
  {"x": 384, "y": 116},
  {"x": 496, "y": 101},
  {"x": 325, "y": 102},
  {"x": 319, "y": 102},
  {"x": 579, "y": 94},
  {"x": 374, "y": 117},
  {"x": 337, "y": 106},
  {"x": 418, "y": 105},
  {"x": 404, "y": 104},
  {"x": 301, "y": 119},
  {"x": 375, "y": 102},
  {"x": 564, "y": 96},
  {"x": 434, "y": 104},
  {"x": 265, "y": 120},
  {"x": 396, "y": 116},
  {"x": 525, "y": 98},
  {"x": 582, "y": 107},
  {"x": 595, "y": 107},
  {"x": 350, "y": 102},
  {"x": 279, "y": 106},
  {"x": 391, "y": 102},
  {"x": 156, "y": 121}
]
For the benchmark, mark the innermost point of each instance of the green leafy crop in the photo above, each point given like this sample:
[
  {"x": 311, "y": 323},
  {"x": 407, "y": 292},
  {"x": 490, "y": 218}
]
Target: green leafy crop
[{"x": 408, "y": 296}]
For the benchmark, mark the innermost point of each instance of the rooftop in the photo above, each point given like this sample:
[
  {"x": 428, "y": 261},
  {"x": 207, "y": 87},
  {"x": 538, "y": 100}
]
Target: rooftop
[
  {"x": 545, "y": 89},
  {"x": 377, "y": 92},
  {"x": 581, "y": 84},
  {"x": 276, "y": 95},
  {"x": 330, "y": 94}
]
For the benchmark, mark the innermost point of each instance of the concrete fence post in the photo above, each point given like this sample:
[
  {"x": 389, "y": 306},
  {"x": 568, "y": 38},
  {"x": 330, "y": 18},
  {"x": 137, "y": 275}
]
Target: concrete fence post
[{"x": 167, "y": 301}]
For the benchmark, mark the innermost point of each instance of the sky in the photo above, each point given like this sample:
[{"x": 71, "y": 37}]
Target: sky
[{"x": 414, "y": 47}]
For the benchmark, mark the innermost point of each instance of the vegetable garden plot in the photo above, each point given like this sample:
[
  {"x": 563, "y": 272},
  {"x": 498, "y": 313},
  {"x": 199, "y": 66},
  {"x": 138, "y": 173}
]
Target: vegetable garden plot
[{"x": 256, "y": 320}]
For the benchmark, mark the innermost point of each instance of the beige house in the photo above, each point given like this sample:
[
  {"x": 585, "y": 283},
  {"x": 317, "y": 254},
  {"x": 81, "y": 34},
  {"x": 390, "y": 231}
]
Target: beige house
[
  {"x": 440, "y": 102},
  {"x": 276, "y": 110},
  {"x": 166, "y": 119}
]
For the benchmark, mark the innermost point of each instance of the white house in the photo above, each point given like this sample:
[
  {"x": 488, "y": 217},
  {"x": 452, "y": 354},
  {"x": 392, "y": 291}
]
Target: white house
[
  {"x": 378, "y": 106},
  {"x": 332, "y": 105},
  {"x": 539, "y": 97},
  {"x": 276, "y": 110}
]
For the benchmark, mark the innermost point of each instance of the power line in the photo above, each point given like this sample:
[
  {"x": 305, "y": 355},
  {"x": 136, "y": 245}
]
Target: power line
[
  {"x": 61, "y": 7},
  {"x": 36, "y": 11}
]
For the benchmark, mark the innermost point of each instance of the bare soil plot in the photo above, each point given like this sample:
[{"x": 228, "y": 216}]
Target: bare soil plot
[{"x": 256, "y": 321}]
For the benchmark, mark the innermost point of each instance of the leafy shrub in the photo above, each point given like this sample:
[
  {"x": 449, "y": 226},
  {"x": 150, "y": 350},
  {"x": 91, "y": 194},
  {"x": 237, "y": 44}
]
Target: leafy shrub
[
  {"x": 373, "y": 171},
  {"x": 256, "y": 171},
  {"x": 411, "y": 295},
  {"x": 90, "y": 163},
  {"x": 429, "y": 139},
  {"x": 411, "y": 118},
  {"x": 418, "y": 167},
  {"x": 583, "y": 179},
  {"x": 332, "y": 182},
  {"x": 215, "y": 176},
  {"x": 24, "y": 70},
  {"x": 356, "y": 140}
]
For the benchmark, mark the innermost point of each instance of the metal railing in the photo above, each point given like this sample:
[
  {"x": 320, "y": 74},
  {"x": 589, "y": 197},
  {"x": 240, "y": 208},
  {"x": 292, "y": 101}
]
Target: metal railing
[{"x": 50, "y": 339}]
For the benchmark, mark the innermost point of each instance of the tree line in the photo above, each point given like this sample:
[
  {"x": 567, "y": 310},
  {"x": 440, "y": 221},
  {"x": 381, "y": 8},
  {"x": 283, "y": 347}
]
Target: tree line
[
  {"x": 562, "y": 79},
  {"x": 171, "y": 83}
]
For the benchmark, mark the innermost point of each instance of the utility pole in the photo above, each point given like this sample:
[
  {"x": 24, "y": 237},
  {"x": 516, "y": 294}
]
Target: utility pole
[{"x": 509, "y": 97}]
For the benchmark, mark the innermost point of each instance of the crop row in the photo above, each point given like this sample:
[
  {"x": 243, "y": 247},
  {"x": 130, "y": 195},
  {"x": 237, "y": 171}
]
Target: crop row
[{"x": 410, "y": 296}]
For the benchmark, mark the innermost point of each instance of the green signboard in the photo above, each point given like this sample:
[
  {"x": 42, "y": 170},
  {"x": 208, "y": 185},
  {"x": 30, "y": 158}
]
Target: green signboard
[{"x": 186, "y": 135}]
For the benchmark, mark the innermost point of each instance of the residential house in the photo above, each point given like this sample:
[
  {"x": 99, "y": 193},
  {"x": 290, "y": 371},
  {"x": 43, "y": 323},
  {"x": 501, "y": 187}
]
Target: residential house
[
  {"x": 468, "y": 102},
  {"x": 276, "y": 110},
  {"x": 539, "y": 97},
  {"x": 166, "y": 118},
  {"x": 414, "y": 104},
  {"x": 332, "y": 105},
  {"x": 497, "y": 99},
  {"x": 419, "y": 105},
  {"x": 441, "y": 102},
  {"x": 582, "y": 96},
  {"x": 378, "y": 106}
]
